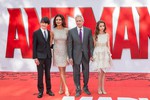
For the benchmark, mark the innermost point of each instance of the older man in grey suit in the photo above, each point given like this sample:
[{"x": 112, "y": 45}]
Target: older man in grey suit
[{"x": 80, "y": 51}]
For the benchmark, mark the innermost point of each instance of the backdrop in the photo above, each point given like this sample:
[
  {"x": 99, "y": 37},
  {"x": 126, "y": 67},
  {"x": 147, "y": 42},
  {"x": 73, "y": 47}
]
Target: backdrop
[{"x": 128, "y": 23}]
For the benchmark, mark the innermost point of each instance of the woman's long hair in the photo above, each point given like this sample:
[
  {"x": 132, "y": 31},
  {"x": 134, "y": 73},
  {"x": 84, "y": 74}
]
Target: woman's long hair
[
  {"x": 62, "y": 18},
  {"x": 97, "y": 29}
]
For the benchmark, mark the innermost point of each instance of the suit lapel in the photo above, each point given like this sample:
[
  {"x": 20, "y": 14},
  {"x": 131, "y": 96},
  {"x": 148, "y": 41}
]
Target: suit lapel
[
  {"x": 77, "y": 34},
  {"x": 41, "y": 35},
  {"x": 84, "y": 34}
]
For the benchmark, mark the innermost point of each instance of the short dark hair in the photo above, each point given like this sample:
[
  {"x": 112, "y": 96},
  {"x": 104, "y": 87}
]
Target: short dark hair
[
  {"x": 62, "y": 18},
  {"x": 45, "y": 20}
]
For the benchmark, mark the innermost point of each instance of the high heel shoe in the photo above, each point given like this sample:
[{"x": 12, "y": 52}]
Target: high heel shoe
[
  {"x": 61, "y": 92},
  {"x": 104, "y": 92},
  {"x": 100, "y": 92},
  {"x": 67, "y": 93}
]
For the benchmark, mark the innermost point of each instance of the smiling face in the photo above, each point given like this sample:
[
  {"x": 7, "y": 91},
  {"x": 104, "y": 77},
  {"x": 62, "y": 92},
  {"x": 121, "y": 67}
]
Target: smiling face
[
  {"x": 43, "y": 25},
  {"x": 102, "y": 27},
  {"x": 58, "y": 21},
  {"x": 79, "y": 21}
]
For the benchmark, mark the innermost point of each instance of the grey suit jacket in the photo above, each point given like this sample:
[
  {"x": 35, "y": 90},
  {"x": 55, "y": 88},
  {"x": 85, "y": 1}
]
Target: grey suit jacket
[{"x": 76, "y": 47}]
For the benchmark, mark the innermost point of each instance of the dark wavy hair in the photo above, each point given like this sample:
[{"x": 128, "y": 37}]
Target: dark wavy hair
[
  {"x": 97, "y": 28},
  {"x": 62, "y": 18}
]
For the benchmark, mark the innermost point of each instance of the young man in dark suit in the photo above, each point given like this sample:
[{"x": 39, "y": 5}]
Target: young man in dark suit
[{"x": 42, "y": 56}]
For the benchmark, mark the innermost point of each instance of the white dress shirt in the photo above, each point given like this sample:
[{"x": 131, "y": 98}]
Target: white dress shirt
[{"x": 43, "y": 33}]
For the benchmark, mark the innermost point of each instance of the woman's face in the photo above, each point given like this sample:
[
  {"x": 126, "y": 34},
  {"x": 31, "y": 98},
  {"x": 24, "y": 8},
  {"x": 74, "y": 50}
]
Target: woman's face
[
  {"x": 101, "y": 27},
  {"x": 58, "y": 21}
]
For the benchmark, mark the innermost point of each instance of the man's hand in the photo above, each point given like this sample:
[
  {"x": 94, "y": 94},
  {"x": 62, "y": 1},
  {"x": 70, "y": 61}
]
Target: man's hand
[
  {"x": 91, "y": 58},
  {"x": 71, "y": 61},
  {"x": 36, "y": 61}
]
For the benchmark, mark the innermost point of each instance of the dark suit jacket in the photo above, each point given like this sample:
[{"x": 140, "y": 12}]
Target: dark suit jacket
[
  {"x": 41, "y": 47},
  {"x": 76, "y": 47}
]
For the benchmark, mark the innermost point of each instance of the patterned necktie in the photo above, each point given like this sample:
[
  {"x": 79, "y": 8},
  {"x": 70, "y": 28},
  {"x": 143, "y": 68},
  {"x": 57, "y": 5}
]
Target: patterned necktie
[
  {"x": 45, "y": 35},
  {"x": 80, "y": 34}
]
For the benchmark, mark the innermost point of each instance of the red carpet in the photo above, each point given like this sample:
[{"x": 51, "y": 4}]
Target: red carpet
[{"x": 23, "y": 86}]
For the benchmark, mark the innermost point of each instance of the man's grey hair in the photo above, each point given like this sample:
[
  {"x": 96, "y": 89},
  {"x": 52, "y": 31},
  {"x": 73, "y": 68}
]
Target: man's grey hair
[{"x": 79, "y": 16}]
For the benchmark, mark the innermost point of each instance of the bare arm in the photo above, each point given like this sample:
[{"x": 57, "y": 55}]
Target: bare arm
[
  {"x": 94, "y": 41},
  {"x": 51, "y": 38},
  {"x": 69, "y": 47},
  {"x": 108, "y": 43}
]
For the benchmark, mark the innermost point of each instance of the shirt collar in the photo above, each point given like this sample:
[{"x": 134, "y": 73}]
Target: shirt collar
[
  {"x": 79, "y": 28},
  {"x": 43, "y": 30}
]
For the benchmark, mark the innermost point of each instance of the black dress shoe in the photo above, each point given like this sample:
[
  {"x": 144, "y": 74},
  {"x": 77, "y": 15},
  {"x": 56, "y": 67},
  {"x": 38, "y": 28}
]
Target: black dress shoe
[
  {"x": 78, "y": 93},
  {"x": 40, "y": 94},
  {"x": 50, "y": 93},
  {"x": 86, "y": 90}
]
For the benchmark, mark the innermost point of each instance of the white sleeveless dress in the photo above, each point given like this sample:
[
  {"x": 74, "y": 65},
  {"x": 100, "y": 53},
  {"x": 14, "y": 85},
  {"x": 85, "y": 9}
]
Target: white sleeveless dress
[
  {"x": 101, "y": 54},
  {"x": 60, "y": 47}
]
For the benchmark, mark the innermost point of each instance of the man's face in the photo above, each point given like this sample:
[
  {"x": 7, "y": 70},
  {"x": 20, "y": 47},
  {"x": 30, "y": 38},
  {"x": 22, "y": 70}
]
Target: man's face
[
  {"x": 79, "y": 22},
  {"x": 44, "y": 25}
]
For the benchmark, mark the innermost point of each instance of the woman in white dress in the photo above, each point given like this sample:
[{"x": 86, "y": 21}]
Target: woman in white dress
[
  {"x": 59, "y": 35},
  {"x": 101, "y": 54}
]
